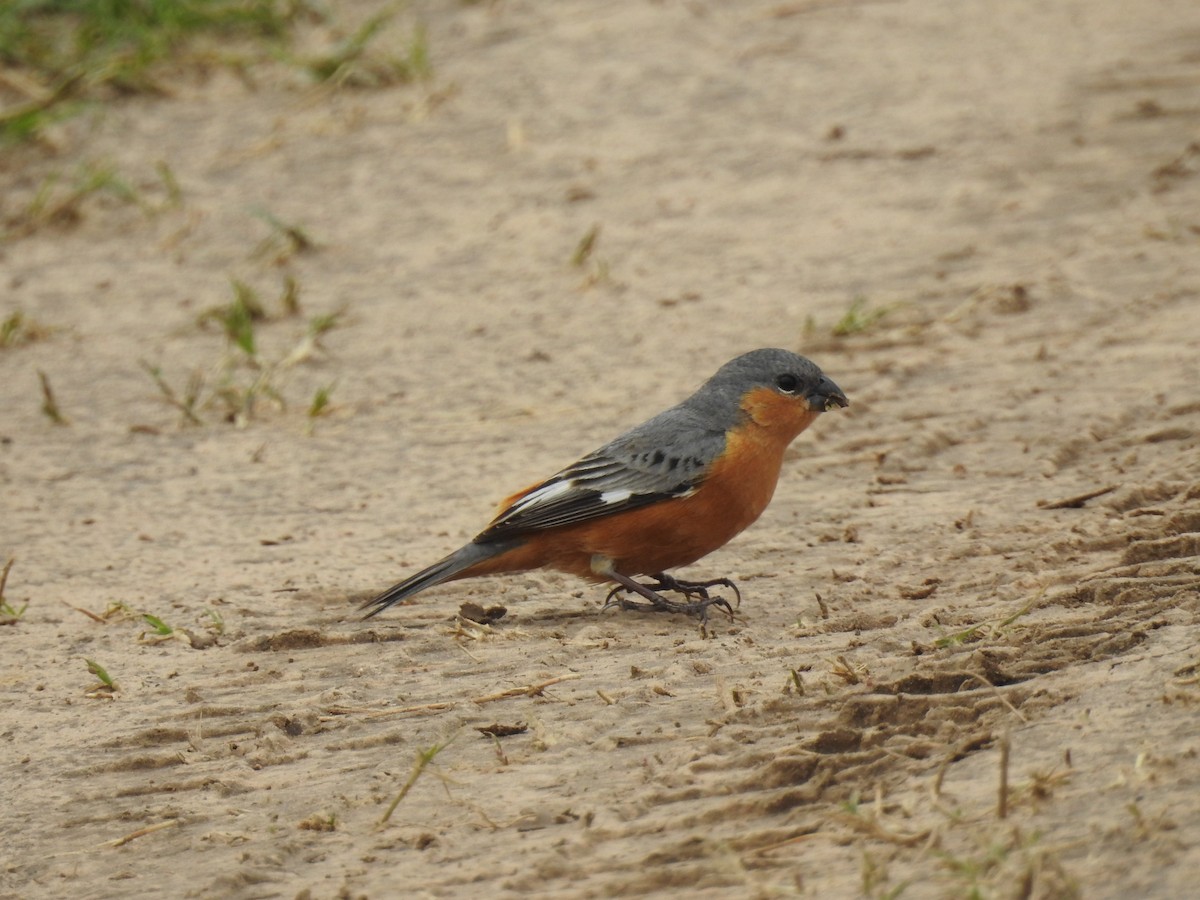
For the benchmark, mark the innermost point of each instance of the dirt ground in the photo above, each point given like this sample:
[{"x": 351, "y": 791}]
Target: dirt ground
[{"x": 998, "y": 201}]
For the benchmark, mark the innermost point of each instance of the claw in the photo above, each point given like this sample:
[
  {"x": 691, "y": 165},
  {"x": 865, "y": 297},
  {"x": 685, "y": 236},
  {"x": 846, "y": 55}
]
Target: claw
[{"x": 658, "y": 603}]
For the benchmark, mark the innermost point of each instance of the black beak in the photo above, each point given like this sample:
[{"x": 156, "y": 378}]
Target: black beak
[{"x": 826, "y": 396}]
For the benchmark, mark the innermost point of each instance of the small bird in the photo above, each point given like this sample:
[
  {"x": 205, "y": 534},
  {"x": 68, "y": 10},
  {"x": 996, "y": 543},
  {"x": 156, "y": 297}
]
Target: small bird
[{"x": 660, "y": 496}]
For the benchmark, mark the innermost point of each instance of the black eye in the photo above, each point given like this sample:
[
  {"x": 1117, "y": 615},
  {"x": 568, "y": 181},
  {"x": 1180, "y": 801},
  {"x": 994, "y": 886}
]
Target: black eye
[{"x": 787, "y": 382}]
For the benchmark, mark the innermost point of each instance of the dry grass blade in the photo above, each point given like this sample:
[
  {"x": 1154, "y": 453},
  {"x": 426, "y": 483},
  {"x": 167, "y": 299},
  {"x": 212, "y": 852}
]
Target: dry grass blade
[
  {"x": 9, "y": 614},
  {"x": 49, "y": 402},
  {"x": 87, "y": 612},
  {"x": 586, "y": 246},
  {"x": 1077, "y": 501},
  {"x": 843, "y": 670},
  {"x": 1002, "y": 799},
  {"x": 996, "y": 691},
  {"x": 32, "y": 107},
  {"x": 869, "y": 825},
  {"x": 367, "y": 713},
  {"x": 142, "y": 832},
  {"x": 185, "y": 404},
  {"x": 531, "y": 690}
]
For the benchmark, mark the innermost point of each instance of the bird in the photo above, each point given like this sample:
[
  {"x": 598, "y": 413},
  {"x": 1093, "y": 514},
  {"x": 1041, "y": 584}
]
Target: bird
[{"x": 660, "y": 496}]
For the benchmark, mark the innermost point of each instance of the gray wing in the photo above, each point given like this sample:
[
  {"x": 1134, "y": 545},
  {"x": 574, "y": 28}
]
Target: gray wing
[{"x": 667, "y": 456}]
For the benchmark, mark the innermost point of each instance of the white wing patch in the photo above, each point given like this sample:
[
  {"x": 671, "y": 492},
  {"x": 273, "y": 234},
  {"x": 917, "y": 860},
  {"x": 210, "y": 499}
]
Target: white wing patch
[
  {"x": 544, "y": 494},
  {"x": 611, "y": 497}
]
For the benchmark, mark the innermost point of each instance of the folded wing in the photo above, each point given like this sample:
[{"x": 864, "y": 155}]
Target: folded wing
[{"x": 645, "y": 466}]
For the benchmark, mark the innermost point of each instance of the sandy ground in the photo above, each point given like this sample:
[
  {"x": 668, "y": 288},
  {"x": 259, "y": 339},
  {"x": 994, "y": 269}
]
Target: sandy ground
[{"x": 1014, "y": 183}]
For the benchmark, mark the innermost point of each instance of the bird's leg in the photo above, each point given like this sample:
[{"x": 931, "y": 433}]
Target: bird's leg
[
  {"x": 659, "y": 603},
  {"x": 665, "y": 582}
]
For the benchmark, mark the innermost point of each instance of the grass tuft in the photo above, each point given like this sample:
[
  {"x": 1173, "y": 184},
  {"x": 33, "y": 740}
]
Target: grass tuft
[
  {"x": 160, "y": 627},
  {"x": 59, "y": 199},
  {"x": 857, "y": 318},
  {"x": 996, "y": 629},
  {"x": 186, "y": 403},
  {"x": 107, "y": 685},
  {"x": 350, "y": 65},
  {"x": 238, "y": 318},
  {"x": 57, "y": 57},
  {"x": 424, "y": 758},
  {"x": 320, "y": 401},
  {"x": 216, "y": 622},
  {"x": 90, "y": 49},
  {"x": 287, "y": 239},
  {"x": 9, "y": 614},
  {"x": 245, "y": 375},
  {"x": 16, "y": 330}
]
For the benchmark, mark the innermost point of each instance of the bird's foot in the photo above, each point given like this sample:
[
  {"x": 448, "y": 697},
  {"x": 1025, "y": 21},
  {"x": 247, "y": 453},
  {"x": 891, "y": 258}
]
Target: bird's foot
[
  {"x": 665, "y": 582},
  {"x": 697, "y": 599}
]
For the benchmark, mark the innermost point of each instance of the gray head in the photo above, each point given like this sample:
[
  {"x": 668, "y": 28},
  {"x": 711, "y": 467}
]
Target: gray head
[{"x": 780, "y": 371}]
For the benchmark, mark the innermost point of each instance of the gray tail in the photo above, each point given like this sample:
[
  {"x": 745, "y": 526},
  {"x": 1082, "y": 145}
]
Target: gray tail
[{"x": 441, "y": 571}]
